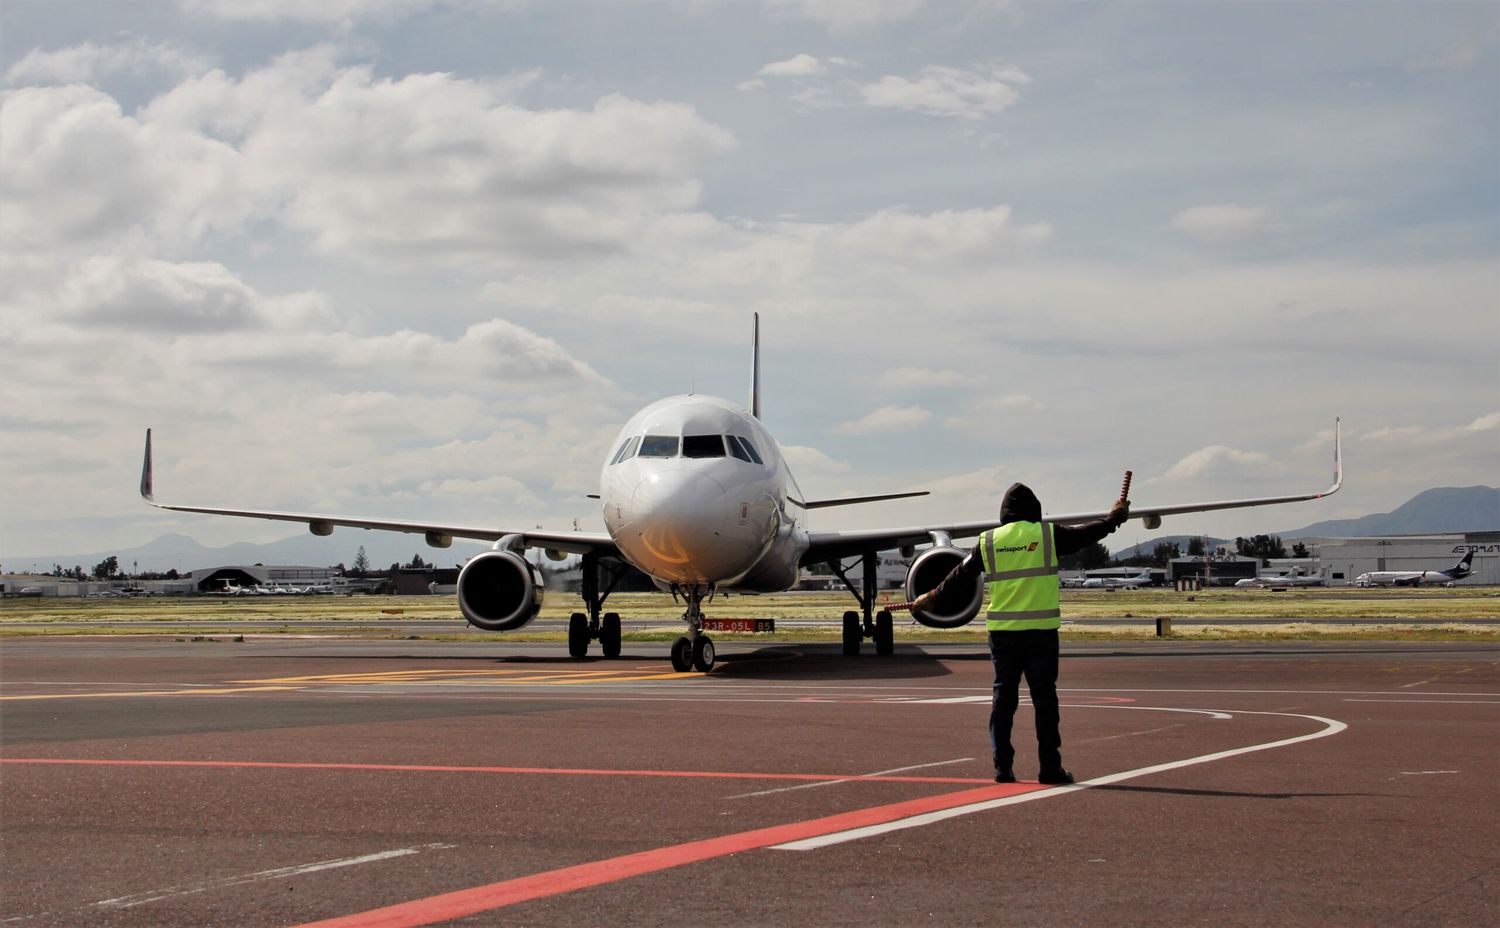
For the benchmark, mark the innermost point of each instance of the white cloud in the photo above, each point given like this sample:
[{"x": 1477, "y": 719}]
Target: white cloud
[
  {"x": 1219, "y": 463},
  {"x": 886, "y": 419},
  {"x": 89, "y": 62},
  {"x": 811, "y": 465},
  {"x": 1432, "y": 434},
  {"x": 802, "y": 65},
  {"x": 921, "y": 378},
  {"x": 1221, "y": 223},
  {"x": 968, "y": 95}
]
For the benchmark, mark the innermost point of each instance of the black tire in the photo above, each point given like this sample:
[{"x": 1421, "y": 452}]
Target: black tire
[
  {"x": 885, "y": 634},
  {"x": 682, "y": 655},
  {"x": 578, "y": 635},
  {"x": 609, "y": 635},
  {"x": 703, "y": 653},
  {"x": 853, "y": 634}
]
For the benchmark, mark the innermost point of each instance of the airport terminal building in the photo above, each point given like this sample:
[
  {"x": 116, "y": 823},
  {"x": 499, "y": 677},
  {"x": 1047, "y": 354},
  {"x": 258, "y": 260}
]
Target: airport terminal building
[{"x": 1343, "y": 559}]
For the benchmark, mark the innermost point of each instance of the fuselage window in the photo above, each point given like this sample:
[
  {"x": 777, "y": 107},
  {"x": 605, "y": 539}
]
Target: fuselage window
[
  {"x": 659, "y": 446},
  {"x": 702, "y": 446},
  {"x": 750, "y": 449},
  {"x": 736, "y": 449}
]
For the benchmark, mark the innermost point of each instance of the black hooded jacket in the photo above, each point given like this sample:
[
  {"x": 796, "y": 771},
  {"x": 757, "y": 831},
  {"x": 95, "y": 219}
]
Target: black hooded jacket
[{"x": 1019, "y": 504}]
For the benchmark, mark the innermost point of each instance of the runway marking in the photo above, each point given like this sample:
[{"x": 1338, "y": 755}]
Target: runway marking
[
  {"x": 1331, "y": 727},
  {"x": 806, "y": 835},
  {"x": 1424, "y": 773},
  {"x": 466, "y": 902},
  {"x": 1434, "y": 702},
  {"x": 126, "y": 902},
  {"x": 138, "y": 693},
  {"x": 878, "y": 773},
  {"x": 436, "y": 768}
]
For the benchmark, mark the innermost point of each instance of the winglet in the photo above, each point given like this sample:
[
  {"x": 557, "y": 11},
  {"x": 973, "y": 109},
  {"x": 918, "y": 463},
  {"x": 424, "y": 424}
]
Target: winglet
[
  {"x": 1338, "y": 459},
  {"x": 755, "y": 365},
  {"x": 146, "y": 481}
]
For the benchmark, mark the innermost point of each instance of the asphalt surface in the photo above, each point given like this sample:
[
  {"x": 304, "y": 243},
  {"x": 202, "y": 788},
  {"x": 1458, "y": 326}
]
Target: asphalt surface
[{"x": 157, "y": 782}]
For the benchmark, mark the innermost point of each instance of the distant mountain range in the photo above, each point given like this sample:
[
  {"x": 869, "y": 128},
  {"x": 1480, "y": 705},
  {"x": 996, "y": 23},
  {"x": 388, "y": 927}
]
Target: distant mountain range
[{"x": 1442, "y": 509}]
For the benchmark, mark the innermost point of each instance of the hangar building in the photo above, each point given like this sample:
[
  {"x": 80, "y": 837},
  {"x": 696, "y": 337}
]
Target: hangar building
[{"x": 1343, "y": 559}]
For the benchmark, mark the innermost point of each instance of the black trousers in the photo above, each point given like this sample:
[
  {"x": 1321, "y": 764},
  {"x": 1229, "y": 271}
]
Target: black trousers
[{"x": 1033, "y": 654}]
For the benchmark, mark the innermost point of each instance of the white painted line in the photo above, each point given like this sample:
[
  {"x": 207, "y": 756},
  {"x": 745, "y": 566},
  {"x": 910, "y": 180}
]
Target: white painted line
[
  {"x": 1424, "y": 773},
  {"x": 1331, "y": 727},
  {"x": 1434, "y": 702},
  {"x": 125, "y": 902},
  {"x": 878, "y": 773}
]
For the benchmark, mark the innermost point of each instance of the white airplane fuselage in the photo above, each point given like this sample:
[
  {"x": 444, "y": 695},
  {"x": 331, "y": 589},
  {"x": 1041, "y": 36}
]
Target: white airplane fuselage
[{"x": 703, "y": 497}]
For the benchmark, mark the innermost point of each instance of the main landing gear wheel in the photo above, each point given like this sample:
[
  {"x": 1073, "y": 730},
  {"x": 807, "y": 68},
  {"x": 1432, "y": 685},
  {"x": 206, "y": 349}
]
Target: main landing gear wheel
[
  {"x": 578, "y": 635},
  {"x": 703, "y": 653},
  {"x": 853, "y": 634},
  {"x": 885, "y": 633},
  {"x": 609, "y": 635},
  {"x": 682, "y": 655}
]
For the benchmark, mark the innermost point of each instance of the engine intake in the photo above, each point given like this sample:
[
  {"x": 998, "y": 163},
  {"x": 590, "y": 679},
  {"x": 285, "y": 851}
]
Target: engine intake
[
  {"x": 499, "y": 591},
  {"x": 957, "y": 607}
]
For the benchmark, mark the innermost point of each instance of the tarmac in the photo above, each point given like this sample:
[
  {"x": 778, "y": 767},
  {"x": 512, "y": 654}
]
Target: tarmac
[{"x": 322, "y": 781}]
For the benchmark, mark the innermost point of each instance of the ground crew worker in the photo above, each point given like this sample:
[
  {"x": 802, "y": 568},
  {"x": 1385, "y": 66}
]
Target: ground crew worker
[{"x": 1018, "y": 561}]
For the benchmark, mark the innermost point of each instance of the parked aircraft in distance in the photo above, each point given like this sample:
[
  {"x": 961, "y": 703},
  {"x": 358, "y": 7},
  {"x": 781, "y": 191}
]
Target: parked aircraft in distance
[
  {"x": 1282, "y": 582},
  {"x": 1418, "y": 577},
  {"x": 1118, "y": 583},
  {"x": 697, "y": 494}
]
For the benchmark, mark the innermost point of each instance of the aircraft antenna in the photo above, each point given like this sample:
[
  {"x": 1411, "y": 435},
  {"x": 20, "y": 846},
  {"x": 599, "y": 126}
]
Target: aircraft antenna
[{"x": 755, "y": 365}]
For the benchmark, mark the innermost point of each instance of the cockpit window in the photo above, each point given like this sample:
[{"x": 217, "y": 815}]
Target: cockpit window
[
  {"x": 702, "y": 446},
  {"x": 736, "y": 449},
  {"x": 627, "y": 450},
  {"x": 750, "y": 449},
  {"x": 659, "y": 446}
]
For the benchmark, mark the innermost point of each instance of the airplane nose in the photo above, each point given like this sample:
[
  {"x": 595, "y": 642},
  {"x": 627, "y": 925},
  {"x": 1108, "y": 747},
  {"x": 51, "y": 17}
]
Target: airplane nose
[{"x": 677, "y": 525}]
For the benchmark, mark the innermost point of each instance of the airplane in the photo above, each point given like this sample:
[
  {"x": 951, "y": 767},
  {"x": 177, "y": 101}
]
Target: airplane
[
  {"x": 1418, "y": 577},
  {"x": 698, "y": 495},
  {"x": 1289, "y": 580},
  {"x": 1119, "y": 583}
]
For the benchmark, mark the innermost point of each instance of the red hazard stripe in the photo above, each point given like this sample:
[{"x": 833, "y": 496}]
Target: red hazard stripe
[{"x": 466, "y": 902}]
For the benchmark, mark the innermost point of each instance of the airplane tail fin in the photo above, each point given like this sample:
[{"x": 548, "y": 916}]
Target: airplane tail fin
[
  {"x": 146, "y": 477},
  {"x": 755, "y": 365},
  {"x": 1464, "y": 567}
]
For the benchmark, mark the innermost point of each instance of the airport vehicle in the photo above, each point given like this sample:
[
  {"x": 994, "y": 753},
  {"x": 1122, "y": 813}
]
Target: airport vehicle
[
  {"x": 1118, "y": 583},
  {"x": 1418, "y": 577},
  {"x": 1281, "y": 582},
  {"x": 696, "y": 493}
]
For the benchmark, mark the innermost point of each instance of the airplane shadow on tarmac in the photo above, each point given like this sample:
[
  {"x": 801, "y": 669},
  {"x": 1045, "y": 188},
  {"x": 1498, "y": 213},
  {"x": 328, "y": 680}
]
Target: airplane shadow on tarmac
[{"x": 827, "y": 662}]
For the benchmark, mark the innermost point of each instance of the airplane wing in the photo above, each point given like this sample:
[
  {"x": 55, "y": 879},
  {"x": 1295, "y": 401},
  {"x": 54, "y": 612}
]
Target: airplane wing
[
  {"x": 825, "y": 546},
  {"x": 441, "y": 533}
]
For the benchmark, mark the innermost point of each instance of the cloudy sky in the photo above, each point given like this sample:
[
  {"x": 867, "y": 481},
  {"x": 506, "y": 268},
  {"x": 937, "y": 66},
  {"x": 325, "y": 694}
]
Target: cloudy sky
[{"x": 421, "y": 258}]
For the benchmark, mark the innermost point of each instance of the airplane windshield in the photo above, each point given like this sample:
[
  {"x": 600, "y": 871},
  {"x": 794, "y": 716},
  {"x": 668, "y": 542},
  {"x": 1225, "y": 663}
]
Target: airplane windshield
[
  {"x": 749, "y": 449},
  {"x": 659, "y": 446},
  {"x": 702, "y": 446}
]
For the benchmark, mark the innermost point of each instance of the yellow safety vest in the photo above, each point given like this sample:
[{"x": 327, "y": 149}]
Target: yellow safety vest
[{"x": 1020, "y": 576}]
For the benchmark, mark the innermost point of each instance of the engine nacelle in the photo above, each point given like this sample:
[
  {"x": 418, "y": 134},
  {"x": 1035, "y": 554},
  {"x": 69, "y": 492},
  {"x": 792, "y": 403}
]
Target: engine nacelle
[
  {"x": 499, "y": 591},
  {"x": 957, "y": 607}
]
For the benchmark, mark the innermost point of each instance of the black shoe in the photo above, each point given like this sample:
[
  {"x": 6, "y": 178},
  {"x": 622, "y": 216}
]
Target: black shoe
[
  {"x": 1005, "y": 776},
  {"x": 1055, "y": 777}
]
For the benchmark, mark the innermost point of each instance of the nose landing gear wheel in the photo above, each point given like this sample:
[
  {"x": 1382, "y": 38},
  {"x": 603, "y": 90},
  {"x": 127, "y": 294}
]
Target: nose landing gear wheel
[
  {"x": 703, "y": 653},
  {"x": 885, "y": 633},
  {"x": 578, "y": 635},
  {"x": 609, "y": 635},
  {"x": 682, "y": 655},
  {"x": 853, "y": 634}
]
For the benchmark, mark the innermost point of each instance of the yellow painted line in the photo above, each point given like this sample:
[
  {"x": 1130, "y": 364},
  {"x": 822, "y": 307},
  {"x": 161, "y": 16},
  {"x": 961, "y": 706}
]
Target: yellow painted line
[{"x": 119, "y": 695}]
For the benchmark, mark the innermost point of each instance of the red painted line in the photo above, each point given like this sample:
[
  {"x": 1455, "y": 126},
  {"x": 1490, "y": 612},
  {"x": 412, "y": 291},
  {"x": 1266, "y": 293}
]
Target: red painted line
[
  {"x": 466, "y": 902},
  {"x": 433, "y": 768}
]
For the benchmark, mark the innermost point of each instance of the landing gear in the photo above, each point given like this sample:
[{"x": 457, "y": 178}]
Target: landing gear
[
  {"x": 586, "y": 627},
  {"x": 609, "y": 634},
  {"x": 852, "y": 634},
  {"x": 866, "y": 623},
  {"x": 885, "y": 633},
  {"x": 694, "y": 650},
  {"x": 578, "y": 635}
]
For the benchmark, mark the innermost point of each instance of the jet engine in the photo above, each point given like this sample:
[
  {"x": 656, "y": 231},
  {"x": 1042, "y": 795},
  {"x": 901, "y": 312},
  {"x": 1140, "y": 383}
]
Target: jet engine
[
  {"x": 957, "y": 607},
  {"x": 499, "y": 591}
]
